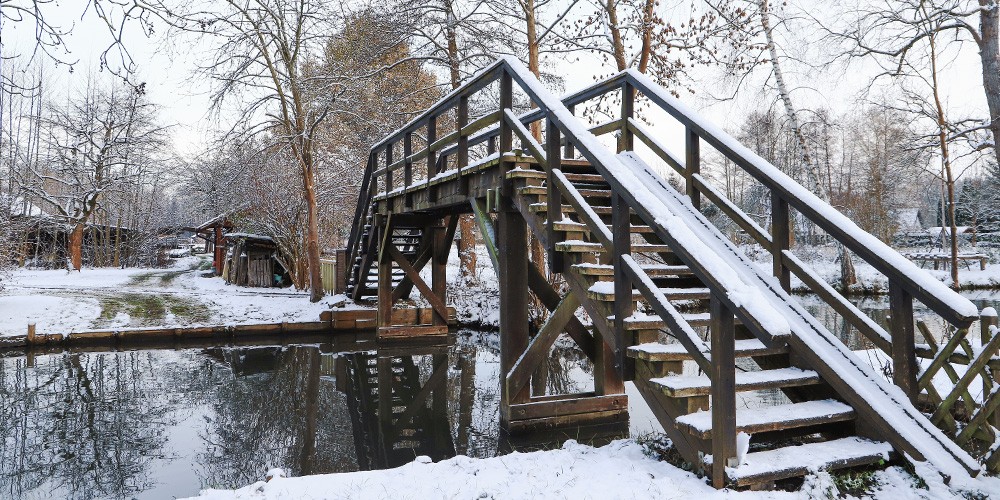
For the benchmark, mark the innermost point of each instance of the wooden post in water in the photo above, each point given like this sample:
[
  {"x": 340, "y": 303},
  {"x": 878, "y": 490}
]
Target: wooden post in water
[{"x": 31, "y": 334}]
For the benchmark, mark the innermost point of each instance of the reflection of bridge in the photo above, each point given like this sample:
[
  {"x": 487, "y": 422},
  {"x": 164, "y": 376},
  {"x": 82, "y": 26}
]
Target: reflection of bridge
[
  {"x": 396, "y": 417},
  {"x": 641, "y": 258}
]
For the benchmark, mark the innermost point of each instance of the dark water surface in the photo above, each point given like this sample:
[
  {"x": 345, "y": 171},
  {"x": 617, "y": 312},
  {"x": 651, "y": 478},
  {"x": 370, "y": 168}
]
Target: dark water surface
[
  {"x": 168, "y": 422},
  {"x": 165, "y": 423}
]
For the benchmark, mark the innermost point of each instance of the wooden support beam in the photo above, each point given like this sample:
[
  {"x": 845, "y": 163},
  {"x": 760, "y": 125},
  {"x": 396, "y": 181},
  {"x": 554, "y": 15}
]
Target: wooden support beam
[
  {"x": 624, "y": 305},
  {"x": 383, "y": 315},
  {"x": 904, "y": 357},
  {"x": 723, "y": 376},
  {"x": 512, "y": 240},
  {"x": 439, "y": 267},
  {"x": 539, "y": 346}
]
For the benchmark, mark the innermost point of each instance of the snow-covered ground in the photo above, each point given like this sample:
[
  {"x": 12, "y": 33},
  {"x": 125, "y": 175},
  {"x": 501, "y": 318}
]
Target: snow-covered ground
[
  {"x": 619, "y": 470},
  {"x": 58, "y": 301}
]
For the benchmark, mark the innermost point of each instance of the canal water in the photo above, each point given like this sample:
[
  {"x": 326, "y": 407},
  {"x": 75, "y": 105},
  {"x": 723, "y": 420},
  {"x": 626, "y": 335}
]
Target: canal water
[{"x": 165, "y": 423}]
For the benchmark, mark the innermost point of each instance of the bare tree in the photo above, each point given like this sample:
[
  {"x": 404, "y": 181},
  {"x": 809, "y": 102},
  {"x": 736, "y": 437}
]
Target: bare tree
[
  {"x": 99, "y": 143},
  {"x": 894, "y": 33}
]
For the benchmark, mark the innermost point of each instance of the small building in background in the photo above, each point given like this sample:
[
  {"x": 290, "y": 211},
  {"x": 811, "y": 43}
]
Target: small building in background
[
  {"x": 213, "y": 232},
  {"x": 251, "y": 260}
]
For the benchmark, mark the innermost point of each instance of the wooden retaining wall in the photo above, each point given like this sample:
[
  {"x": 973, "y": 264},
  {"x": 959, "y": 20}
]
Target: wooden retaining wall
[{"x": 346, "y": 321}]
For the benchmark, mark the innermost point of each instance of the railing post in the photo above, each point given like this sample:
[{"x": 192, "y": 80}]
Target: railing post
[
  {"x": 553, "y": 198},
  {"x": 625, "y": 140},
  {"x": 692, "y": 165},
  {"x": 569, "y": 146},
  {"x": 506, "y": 102},
  {"x": 431, "y": 155},
  {"x": 988, "y": 320},
  {"x": 407, "y": 167},
  {"x": 462, "y": 150},
  {"x": 904, "y": 356},
  {"x": 621, "y": 239},
  {"x": 723, "y": 376},
  {"x": 781, "y": 239},
  {"x": 491, "y": 144},
  {"x": 388, "y": 167}
]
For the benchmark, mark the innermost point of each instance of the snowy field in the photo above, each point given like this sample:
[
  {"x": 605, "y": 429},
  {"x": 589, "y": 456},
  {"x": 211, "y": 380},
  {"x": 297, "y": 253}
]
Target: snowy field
[
  {"x": 58, "y": 301},
  {"x": 618, "y": 470}
]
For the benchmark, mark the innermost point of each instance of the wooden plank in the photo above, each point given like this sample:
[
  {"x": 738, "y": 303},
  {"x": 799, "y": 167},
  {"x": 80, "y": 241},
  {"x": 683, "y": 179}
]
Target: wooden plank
[{"x": 568, "y": 406}]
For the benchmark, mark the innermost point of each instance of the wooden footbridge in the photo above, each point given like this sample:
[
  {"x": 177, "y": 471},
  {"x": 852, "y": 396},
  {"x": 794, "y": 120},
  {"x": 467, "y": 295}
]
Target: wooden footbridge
[{"x": 653, "y": 292}]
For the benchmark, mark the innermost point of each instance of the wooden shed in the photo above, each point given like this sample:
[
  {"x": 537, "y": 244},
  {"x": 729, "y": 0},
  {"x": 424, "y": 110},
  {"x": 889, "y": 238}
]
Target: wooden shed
[
  {"x": 250, "y": 261},
  {"x": 213, "y": 232}
]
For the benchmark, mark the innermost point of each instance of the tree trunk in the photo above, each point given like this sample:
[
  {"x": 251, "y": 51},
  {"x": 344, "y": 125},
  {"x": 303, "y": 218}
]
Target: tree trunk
[
  {"x": 76, "y": 246},
  {"x": 618, "y": 46},
  {"x": 949, "y": 178},
  {"x": 312, "y": 229},
  {"x": 466, "y": 223},
  {"x": 847, "y": 274},
  {"x": 989, "y": 52}
]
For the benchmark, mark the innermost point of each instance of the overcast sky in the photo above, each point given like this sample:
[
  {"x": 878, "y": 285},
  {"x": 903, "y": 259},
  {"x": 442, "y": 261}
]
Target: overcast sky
[{"x": 167, "y": 69}]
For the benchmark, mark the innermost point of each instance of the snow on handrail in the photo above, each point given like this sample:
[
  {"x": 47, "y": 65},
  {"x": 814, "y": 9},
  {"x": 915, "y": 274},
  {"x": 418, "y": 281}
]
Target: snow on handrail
[{"x": 924, "y": 287}]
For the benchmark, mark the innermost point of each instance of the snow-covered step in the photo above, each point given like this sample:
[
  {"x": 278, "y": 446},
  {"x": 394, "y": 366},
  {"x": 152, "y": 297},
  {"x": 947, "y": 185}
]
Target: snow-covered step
[
  {"x": 588, "y": 246},
  {"x": 521, "y": 173},
  {"x": 541, "y": 208},
  {"x": 771, "y": 418},
  {"x": 792, "y": 461},
  {"x": 680, "y": 386},
  {"x": 653, "y": 270},
  {"x": 657, "y": 352},
  {"x": 605, "y": 291},
  {"x": 586, "y": 193},
  {"x": 571, "y": 226}
]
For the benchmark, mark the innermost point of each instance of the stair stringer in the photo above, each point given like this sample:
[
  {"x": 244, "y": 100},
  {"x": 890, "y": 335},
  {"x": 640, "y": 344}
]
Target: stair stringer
[{"x": 884, "y": 410}]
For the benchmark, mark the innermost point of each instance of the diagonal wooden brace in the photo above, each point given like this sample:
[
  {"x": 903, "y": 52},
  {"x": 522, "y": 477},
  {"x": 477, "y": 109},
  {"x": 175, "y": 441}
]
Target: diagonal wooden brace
[
  {"x": 520, "y": 374},
  {"x": 439, "y": 307}
]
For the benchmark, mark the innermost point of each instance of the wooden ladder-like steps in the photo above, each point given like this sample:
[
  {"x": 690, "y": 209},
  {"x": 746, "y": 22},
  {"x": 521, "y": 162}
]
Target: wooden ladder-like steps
[
  {"x": 793, "y": 461},
  {"x": 579, "y": 246},
  {"x": 605, "y": 292},
  {"x": 652, "y": 270},
  {"x": 771, "y": 418},
  {"x": 656, "y": 352},
  {"x": 681, "y": 386}
]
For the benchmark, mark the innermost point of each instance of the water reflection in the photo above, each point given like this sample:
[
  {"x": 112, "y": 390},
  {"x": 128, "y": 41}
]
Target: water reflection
[{"x": 166, "y": 423}]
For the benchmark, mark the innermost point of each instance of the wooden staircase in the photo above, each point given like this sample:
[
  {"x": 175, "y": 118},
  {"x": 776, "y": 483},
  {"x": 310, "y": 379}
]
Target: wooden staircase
[
  {"x": 811, "y": 424},
  {"x": 669, "y": 301}
]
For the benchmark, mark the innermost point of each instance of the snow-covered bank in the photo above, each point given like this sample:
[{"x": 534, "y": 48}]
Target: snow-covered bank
[
  {"x": 58, "y": 301},
  {"x": 618, "y": 470}
]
